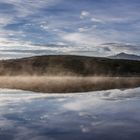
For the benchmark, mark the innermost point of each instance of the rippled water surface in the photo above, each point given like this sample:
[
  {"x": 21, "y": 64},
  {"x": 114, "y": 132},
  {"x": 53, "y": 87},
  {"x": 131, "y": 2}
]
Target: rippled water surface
[{"x": 103, "y": 115}]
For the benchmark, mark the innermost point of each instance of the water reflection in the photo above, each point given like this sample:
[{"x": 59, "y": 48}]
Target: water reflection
[{"x": 103, "y": 115}]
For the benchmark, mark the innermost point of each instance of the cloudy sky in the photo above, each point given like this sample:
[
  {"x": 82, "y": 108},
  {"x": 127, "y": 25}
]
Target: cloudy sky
[{"x": 85, "y": 27}]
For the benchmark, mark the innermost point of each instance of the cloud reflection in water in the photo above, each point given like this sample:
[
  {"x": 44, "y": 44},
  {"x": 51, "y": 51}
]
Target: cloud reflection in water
[{"x": 112, "y": 114}]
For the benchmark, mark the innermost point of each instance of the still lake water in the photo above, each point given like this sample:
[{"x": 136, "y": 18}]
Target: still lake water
[{"x": 102, "y": 115}]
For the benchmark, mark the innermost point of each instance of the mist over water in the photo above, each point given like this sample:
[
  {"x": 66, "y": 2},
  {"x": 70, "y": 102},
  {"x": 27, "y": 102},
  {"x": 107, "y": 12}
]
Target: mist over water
[
  {"x": 67, "y": 84},
  {"x": 100, "y": 115}
]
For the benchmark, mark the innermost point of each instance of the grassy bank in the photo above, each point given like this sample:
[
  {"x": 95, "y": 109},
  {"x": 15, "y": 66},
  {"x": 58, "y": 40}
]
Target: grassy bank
[{"x": 65, "y": 84}]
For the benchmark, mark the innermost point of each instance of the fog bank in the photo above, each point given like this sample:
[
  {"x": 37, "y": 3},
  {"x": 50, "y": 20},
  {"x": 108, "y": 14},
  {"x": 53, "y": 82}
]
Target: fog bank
[{"x": 66, "y": 84}]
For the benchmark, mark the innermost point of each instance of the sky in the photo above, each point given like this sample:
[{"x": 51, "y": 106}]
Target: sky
[{"x": 82, "y": 27}]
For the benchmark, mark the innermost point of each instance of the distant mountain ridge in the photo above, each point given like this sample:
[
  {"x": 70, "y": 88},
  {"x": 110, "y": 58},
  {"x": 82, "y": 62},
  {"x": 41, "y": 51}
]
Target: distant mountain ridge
[{"x": 125, "y": 56}]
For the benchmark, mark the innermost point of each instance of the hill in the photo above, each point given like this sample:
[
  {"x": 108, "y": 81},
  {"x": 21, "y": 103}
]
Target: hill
[
  {"x": 69, "y": 65},
  {"x": 125, "y": 56}
]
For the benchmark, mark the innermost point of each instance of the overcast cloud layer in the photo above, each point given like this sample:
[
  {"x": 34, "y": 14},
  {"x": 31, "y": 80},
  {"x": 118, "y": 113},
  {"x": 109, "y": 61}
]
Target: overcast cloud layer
[{"x": 85, "y": 27}]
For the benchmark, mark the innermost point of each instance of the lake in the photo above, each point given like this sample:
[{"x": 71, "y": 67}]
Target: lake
[{"x": 100, "y": 115}]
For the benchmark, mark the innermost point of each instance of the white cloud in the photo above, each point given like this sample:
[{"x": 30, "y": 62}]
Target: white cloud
[
  {"x": 16, "y": 48},
  {"x": 82, "y": 29},
  {"x": 84, "y": 14},
  {"x": 4, "y": 20},
  {"x": 97, "y": 20},
  {"x": 44, "y": 27},
  {"x": 84, "y": 44},
  {"x": 28, "y": 7},
  {"x": 82, "y": 39},
  {"x": 122, "y": 47},
  {"x": 74, "y": 34}
]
